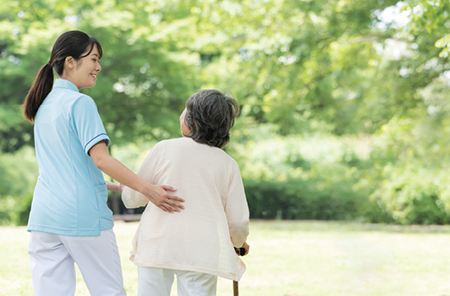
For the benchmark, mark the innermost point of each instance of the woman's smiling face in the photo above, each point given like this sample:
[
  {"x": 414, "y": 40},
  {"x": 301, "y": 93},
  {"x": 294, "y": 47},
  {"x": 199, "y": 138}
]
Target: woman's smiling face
[{"x": 84, "y": 71}]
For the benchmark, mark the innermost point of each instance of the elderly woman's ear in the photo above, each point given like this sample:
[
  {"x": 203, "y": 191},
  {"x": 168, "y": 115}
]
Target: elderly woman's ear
[{"x": 185, "y": 131}]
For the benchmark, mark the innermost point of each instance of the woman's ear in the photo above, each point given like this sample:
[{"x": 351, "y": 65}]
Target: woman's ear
[{"x": 69, "y": 63}]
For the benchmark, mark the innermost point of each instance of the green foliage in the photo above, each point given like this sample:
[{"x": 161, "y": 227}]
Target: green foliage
[
  {"x": 23, "y": 209},
  {"x": 145, "y": 78},
  {"x": 302, "y": 65},
  {"x": 18, "y": 173},
  {"x": 306, "y": 177},
  {"x": 345, "y": 113},
  {"x": 432, "y": 18},
  {"x": 299, "y": 199},
  {"x": 308, "y": 66},
  {"x": 413, "y": 196}
]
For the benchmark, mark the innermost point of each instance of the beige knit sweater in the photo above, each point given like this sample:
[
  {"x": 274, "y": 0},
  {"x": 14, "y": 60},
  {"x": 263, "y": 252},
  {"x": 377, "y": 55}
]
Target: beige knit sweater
[{"x": 198, "y": 238}]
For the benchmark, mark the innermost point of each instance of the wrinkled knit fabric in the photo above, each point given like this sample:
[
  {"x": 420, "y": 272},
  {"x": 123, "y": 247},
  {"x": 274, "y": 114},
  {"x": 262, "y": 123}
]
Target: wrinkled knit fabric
[{"x": 216, "y": 215}]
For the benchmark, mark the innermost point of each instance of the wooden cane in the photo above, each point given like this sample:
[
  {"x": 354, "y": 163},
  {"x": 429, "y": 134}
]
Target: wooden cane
[
  {"x": 240, "y": 252},
  {"x": 235, "y": 288}
]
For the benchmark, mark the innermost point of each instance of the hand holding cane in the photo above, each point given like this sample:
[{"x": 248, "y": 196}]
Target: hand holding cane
[{"x": 240, "y": 252}]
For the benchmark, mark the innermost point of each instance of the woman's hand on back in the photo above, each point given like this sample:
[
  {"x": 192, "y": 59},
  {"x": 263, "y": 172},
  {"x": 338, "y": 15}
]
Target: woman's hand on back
[{"x": 159, "y": 195}]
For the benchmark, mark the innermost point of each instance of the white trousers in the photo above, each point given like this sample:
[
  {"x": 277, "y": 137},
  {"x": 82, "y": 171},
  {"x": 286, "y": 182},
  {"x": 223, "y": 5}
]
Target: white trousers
[
  {"x": 158, "y": 282},
  {"x": 52, "y": 259}
]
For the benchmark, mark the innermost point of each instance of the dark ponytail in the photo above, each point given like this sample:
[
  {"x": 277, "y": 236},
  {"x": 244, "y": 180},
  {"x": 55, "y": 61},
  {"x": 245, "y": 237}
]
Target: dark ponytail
[
  {"x": 41, "y": 87},
  {"x": 70, "y": 44}
]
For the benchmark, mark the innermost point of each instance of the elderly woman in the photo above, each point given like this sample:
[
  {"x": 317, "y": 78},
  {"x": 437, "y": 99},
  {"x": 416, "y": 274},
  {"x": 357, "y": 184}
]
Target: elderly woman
[{"x": 196, "y": 244}]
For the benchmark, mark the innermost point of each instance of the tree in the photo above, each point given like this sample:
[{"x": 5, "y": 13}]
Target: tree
[
  {"x": 306, "y": 66},
  {"x": 145, "y": 78},
  {"x": 431, "y": 18}
]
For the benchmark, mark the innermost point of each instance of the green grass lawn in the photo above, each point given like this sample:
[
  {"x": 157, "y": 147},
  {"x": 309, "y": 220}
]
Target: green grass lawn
[{"x": 293, "y": 258}]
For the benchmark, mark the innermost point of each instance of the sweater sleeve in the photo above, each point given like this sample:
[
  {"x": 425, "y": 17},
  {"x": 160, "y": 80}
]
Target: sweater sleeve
[
  {"x": 236, "y": 209},
  {"x": 134, "y": 199}
]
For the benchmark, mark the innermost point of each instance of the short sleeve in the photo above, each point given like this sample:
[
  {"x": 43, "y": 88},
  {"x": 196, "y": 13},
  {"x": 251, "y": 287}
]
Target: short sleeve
[{"x": 87, "y": 124}]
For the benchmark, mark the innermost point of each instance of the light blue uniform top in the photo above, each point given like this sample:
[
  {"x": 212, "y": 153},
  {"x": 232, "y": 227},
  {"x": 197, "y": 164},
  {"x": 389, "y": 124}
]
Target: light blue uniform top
[{"x": 70, "y": 195}]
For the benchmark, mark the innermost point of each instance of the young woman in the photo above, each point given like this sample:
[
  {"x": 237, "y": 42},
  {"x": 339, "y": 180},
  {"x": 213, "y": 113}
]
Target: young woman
[
  {"x": 196, "y": 245},
  {"x": 69, "y": 219}
]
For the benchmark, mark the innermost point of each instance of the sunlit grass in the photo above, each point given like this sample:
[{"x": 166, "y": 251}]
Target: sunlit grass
[{"x": 294, "y": 258}]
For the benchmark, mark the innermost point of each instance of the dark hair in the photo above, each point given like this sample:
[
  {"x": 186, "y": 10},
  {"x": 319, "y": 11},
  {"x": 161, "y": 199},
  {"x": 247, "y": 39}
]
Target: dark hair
[
  {"x": 210, "y": 116},
  {"x": 70, "y": 44}
]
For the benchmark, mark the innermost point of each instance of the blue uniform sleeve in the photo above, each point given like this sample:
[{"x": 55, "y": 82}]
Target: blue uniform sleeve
[{"x": 87, "y": 124}]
